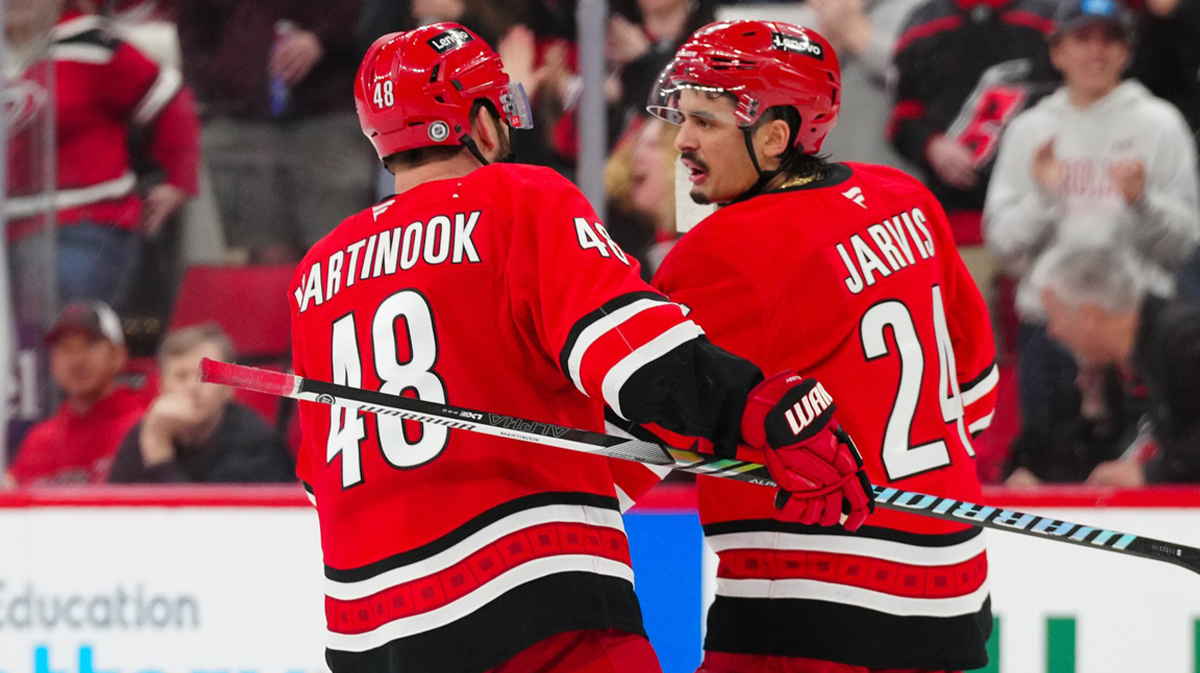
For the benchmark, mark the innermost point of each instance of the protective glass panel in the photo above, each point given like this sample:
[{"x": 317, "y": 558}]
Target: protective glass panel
[{"x": 28, "y": 299}]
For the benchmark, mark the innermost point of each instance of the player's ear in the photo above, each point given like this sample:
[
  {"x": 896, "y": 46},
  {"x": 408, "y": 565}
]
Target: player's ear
[
  {"x": 485, "y": 131},
  {"x": 774, "y": 136}
]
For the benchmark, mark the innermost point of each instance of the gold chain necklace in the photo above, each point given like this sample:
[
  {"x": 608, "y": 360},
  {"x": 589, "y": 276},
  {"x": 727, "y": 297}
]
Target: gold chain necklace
[{"x": 797, "y": 181}]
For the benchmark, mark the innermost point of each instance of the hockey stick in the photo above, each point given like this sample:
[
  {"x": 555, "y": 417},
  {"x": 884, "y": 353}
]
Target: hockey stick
[{"x": 296, "y": 387}]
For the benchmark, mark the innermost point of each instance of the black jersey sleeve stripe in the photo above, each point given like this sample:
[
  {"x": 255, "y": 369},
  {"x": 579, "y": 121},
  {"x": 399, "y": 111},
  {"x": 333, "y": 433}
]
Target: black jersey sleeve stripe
[
  {"x": 987, "y": 372},
  {"x": 94, "y": 37}
]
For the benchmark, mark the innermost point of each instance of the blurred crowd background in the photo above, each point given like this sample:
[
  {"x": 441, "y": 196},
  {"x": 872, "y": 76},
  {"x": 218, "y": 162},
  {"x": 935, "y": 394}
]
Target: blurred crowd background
[{"x": 169, "y": 162}]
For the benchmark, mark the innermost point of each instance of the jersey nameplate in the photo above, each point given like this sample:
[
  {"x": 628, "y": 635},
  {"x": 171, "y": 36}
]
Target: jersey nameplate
[
  {"x": 885, "y": 248},
  {"x": 442, "y": 239}
]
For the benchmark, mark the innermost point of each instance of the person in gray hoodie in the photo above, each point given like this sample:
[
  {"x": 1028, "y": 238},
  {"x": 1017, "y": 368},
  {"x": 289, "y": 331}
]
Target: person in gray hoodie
[{"x": 1099, "y": 162}]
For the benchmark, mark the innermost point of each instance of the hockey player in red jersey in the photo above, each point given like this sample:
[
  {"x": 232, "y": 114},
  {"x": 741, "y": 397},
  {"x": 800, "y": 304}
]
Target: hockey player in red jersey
[
  {"x": 493, "y": 286},
  {"x": 847, "y": 273}
]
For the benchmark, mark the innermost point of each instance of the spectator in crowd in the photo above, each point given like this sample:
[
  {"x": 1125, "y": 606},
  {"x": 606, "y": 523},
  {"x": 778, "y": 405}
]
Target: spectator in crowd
[
  {"x": 488, "y": 18},
  {"x": 1167, "y": 61},
  {"x": 148, "y": 24},
  {"x": 542, "y": 59},
  {"x": 487, "y": 15},
  {"x": 194, "y": 235},
  {"x": 1099, "y": 304},
  {"x": 103, "y": 88},
  {"x": 1087, "y": 421},
  {"x": 639, "y": 181},
  {"x": 963, "y": 70},
  {"x": 642, "y": 38},
  {"x": 76, "y": 445},
  {"x": 1167, "y": 57},
  {"x": 193, "y": 431},
  {"x": 1101, "y": 161},
  {"x": 283, "y": 146},
  {"x": 863, "y": 33}
]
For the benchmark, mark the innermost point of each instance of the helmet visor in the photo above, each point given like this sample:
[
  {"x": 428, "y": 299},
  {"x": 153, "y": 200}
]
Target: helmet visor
[
  {"x": 517, "y": 111},
  {"x": 687, "y": 87}
]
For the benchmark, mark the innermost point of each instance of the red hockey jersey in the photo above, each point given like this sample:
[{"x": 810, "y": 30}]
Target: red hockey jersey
[
  {"x": 855, "y": 281},
  {"x": 444, "y": 549}
]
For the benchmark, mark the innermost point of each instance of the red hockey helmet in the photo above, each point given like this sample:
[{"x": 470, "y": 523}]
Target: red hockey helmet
[
  {"x": 762, "y": 64},
  {"x": 415, "y": 89}
]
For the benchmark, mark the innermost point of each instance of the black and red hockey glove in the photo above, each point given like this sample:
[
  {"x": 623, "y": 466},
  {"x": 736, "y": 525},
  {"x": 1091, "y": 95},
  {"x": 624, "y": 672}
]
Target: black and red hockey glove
[{"x": 815, "y": 463}]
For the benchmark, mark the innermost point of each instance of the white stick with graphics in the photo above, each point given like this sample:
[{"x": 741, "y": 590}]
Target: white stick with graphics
[{"x": 574, "y": 439}]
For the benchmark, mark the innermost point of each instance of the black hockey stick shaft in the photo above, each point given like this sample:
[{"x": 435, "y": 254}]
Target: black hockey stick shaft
[
  {"x": 1013, "y": 521},
  {"x": 300, "y": 388}
]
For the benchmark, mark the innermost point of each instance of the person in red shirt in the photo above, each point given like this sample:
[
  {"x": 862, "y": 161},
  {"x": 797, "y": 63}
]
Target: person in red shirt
[
  {"x": 77, "y": 445},
  {"x": 493, "y": 286},
  {"x": 102, "y": 89},
  {"x": 846, "y": 272}
]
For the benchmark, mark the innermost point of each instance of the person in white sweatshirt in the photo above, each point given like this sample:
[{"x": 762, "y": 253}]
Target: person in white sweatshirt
[{"x": 1099, "y": 162}]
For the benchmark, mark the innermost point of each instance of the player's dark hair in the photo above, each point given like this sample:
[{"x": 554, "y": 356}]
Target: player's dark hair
[
  {"x": 794, "y": 162},
  {"x": 422, "y": 155}
]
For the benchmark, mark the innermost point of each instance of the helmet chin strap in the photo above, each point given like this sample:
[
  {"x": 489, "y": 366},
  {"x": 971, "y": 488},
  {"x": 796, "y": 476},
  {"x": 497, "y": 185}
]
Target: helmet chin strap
[
  {"x": 508, "y": 158},
  {"x": 763, "y": 176},
  {"x": 469, "y": 143}
]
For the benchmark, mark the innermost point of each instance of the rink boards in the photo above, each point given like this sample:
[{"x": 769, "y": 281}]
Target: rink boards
[{"x": 229, "y": 580}]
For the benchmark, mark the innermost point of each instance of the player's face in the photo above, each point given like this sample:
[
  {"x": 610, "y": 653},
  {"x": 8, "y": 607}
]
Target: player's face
[
  {"x": 713, "y": 148},
  {"x": 1075, "y": 328},
  {"x": 1092, "y": 58},
  {"x": 180, "y": 376},
  {"x": 84, "y": 365}
]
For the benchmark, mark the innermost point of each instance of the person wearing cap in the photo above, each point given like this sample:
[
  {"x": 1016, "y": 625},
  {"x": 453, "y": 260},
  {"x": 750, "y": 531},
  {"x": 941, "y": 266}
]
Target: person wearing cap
[
  {"x": 1099, "y": 162},
  {"x": 194, "y": 432},
  {"x": 77, "y": 444}
]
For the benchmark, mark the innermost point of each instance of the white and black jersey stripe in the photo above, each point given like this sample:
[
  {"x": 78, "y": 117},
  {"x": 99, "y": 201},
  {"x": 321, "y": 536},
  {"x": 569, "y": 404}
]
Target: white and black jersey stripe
[
  {"x": 877, "y": 598},
  {"x": 624, "y": 335},
  {"x": 976, "y": 400},
  {"x": 552, "y": 558}
]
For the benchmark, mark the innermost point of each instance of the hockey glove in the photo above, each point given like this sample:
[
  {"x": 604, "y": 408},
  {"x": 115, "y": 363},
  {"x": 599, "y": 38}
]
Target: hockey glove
[{"x": 815, "y": 463}]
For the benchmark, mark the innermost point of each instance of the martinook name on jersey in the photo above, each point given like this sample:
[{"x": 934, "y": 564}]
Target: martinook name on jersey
[{"x": 440, "y": 239}]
